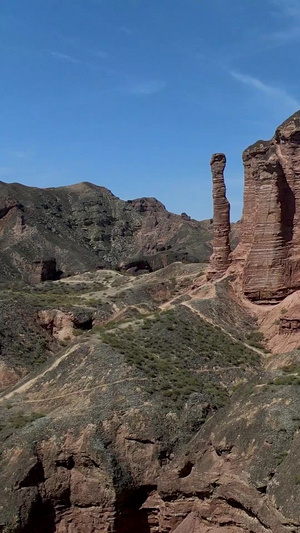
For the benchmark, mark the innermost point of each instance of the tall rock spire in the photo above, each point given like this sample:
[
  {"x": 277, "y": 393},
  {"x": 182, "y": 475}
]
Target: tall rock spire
[{"x": 219, "y": 260}]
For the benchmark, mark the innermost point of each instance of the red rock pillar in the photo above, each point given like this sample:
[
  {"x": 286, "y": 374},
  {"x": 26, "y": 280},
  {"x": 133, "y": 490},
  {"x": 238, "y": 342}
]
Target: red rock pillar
[{"x": 219, "y": 260}]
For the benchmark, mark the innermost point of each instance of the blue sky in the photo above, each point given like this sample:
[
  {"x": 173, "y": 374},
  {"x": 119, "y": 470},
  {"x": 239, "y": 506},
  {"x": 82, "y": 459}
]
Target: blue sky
[{"x": 136, "y": 95}]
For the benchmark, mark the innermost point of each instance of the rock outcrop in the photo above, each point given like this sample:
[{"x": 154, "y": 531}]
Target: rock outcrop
[
  {"x": 219, "y": 260},
  {"x": 44, "y": 270},
  {"x": 269, "y": 248},
  {"x": 62, "y": 325},
  {"x": 238, "y": 474}
]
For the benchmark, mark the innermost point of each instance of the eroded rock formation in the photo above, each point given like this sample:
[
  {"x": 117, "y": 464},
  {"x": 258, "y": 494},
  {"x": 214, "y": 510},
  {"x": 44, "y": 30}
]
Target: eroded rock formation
[
  {"x": 219, "y": 260},
  {"x": 269, "y": 249},
  {"x": 62, "y": 325},
  {"x": 44, "y": 271}
]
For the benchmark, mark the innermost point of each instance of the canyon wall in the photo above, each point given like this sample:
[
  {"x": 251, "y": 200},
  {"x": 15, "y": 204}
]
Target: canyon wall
[{"x": 268, "y": 254}]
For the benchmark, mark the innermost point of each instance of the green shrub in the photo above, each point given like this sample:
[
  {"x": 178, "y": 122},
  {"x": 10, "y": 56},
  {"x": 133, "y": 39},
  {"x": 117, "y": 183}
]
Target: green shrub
[
  {"x": 96, "y": 330},
  {"x": 20, "y": 420},
  {"x": 77, "y": 332},
  {"x": 286, "y": 380},
  {"x": 280, "y": 457}
]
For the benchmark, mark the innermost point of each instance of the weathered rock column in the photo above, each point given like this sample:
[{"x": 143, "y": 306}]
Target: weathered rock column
[{"x": 219, "y": 260}]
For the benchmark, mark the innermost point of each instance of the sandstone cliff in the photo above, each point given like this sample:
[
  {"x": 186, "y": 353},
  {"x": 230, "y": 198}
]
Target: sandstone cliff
[{"x": 270, "y": 230}]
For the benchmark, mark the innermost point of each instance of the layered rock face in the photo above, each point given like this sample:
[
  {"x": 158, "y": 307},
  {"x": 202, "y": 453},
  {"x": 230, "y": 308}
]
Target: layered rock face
[
  {"x": 269, "y": 249},
  {"x": 219, "y": 260}
]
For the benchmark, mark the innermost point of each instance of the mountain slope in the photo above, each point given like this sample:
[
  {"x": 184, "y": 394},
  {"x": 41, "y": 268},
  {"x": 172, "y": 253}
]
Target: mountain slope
[
  {"x": 85, "y": 227},
  {"x": 85, "y": 437}
]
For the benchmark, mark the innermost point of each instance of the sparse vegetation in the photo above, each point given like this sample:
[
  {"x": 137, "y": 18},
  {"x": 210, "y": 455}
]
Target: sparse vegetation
[
  {"x": 286, "y": 380},
  {"x": 20, "y": 419},
  {"x": 78, "y": 332},
  {"x": 172, "y": 347},
  {"x": 281, "y": 456},
  {"x": 255, "y": 338}
]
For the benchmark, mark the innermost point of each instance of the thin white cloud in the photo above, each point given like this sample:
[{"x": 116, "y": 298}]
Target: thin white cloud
[
  {"x": 281, "y": 95},
  {"x": 63, "y": 57},
  {"x": 287, "y": 8},
  {"x": 126, "y": 30},
  {"x": 147, "y": 87},
  {"x": 287, "y": 12},
  {"x": 19, "y": 154},
  {"x": 71, "y": 59}
]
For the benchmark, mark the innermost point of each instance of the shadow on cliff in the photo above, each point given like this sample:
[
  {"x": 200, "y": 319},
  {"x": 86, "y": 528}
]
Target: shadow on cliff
[
  {"x": 287, "y": 207},
  {"x": 41, "y": 518},
  {"x": 130, "y": 517}
]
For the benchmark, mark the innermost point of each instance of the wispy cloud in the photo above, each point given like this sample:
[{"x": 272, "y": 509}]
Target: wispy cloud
[
  {"x": 288, "y": 14},
  {"x": 126, "y": 30},
  {"x": 287, "y": 8},
  {"x": 63, "y": 57},
  {"x": 20, "y": 154},
  {"x": 146, "y": 88},
  {"x": 272, "y": 91},
  {"x": 77, "y": 61}
]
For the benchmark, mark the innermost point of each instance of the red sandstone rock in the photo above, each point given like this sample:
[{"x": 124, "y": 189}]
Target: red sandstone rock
[
  {"x": 269, "y": 249},
  {"x": 219, "y": 260}
]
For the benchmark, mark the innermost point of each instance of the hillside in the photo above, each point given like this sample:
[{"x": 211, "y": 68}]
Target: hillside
[
  {"x": 85, "y": 227},
  {"x": 135, "y": 367}
]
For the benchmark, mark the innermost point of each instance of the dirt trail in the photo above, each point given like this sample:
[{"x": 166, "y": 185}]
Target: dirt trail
[
  {"x": 25, "y": 386},
  {"x": 257, "y": 350},
  {"x": 80, "y": 391}
]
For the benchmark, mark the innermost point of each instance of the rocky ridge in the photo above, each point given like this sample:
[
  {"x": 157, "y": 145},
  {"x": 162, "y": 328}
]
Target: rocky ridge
[{"x": 84, "y": 227}]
